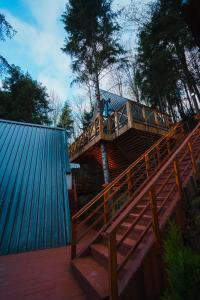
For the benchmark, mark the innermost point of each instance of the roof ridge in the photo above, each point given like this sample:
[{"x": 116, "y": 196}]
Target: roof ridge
[{"x": 31, "y": 124}]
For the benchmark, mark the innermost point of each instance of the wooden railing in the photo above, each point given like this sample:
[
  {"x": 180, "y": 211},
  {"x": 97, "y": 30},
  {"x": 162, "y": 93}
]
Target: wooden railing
[
  {"x": 108, "y": 128},
  {"x": 105, "y": 206},
  {"x": 151, "y": 192}
]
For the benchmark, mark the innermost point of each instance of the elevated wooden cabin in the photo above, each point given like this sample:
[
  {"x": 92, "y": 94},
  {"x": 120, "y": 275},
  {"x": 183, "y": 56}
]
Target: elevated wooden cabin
[{"x": 129, "y": 130}]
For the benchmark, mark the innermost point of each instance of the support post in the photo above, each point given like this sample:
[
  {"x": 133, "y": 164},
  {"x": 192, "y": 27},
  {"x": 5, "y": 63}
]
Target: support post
[
  {"x": 75, "y": 196},
  {"x": 155, "y": 220},
  {"x": 130, "y": 185},
  {"x": 106, "y": 208},
  {"x": 113, "y": 284},
  {"x": 147, "y": 163},
  {"x": 74, "y": 238},
  {"x": 194, "y": 164},
  {"x": 178, "y": 178}
]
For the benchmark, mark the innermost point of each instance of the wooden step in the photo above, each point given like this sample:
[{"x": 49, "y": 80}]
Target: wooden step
[
  {"x": 137, "y": 227},
  {"x": 134, "y": 215},
  {"x": 100, "y": 253},
  {"x": 92, "y": 276}
]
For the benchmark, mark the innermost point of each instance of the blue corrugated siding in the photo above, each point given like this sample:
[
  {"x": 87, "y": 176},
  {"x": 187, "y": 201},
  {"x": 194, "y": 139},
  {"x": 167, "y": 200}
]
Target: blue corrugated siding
[{"x": 34, "y": 208}]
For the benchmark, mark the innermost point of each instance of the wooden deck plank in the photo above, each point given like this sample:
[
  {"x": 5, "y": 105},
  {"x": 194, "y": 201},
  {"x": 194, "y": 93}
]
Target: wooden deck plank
[{"x": 39, "y": 275}]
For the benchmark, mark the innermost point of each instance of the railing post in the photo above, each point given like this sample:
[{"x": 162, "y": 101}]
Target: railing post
[
  {"x": 194, "y": 164},
  {"x": 147, "y": 163},
  {"x": 74, "y": 238},
  {"x": 155, "y": 220},
  {"x": 130, "y": 185},
  {"x": 129, "y": 114},
  {"x": 178, "y": 178},
  {"x": 106, "y": 208},
  {"x": 109, "y": 125},
  {"x": 112, "y": 250}
]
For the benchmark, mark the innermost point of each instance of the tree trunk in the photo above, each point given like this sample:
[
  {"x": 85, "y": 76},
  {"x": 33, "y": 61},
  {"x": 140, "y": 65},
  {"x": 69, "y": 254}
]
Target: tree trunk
[
  {"x": 188, "y": 97},
  {"x": 171, "y": 110},
  {"x": 102, "y": 145},
  {"x": 105, "y": 163}
]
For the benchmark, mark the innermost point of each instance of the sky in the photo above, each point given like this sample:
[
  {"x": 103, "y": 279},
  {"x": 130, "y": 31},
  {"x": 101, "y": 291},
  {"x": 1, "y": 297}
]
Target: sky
[{"x": 36, "y": 47}]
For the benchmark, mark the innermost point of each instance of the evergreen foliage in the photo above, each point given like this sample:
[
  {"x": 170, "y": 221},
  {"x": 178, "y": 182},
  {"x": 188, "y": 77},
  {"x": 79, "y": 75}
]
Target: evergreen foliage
[
  {"x": 92, "y": 41},
  {"x": 87, "y": 118},
  {"x": 23, "y": 99},
  {"x": 183, "y": 268},
  {"x": 6, "y": 31},
  {"x": 66, "y": 120},
  {"x": 164, "y": 74}
]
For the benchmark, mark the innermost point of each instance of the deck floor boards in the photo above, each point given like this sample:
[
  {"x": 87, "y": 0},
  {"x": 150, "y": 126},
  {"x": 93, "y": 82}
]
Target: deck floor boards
[{"x": 39, "y": 275}]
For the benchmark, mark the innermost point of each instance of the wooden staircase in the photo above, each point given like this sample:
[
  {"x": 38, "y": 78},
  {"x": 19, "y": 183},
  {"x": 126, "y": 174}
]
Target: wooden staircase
[{"x": 113, "y": 233}]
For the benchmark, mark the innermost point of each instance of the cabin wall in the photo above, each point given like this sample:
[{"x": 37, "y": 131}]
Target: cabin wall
[{"x": 121, "y": 152}]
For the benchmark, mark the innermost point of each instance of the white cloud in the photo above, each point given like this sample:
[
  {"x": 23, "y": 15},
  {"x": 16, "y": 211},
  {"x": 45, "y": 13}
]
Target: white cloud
[{"x": 40, "y": 44}]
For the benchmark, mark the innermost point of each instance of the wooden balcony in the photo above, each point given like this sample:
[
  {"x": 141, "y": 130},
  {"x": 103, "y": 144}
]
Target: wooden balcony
[{"x": 132, "y": 115}]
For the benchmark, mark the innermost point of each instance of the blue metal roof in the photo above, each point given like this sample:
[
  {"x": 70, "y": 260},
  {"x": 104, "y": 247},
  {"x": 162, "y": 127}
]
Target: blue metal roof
[
  {"x": 116, "y": 101},
  {"x": 34, "y": 208}
]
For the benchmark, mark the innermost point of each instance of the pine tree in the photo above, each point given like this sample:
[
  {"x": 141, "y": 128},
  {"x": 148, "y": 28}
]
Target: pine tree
[
  {"x": 66, "y": 120},
  {"x": 165, "y": 76},
  {"x": 6, "y": 31},
  {"x": 23, "y": 99},
  {"x": 93, "y": 44}
]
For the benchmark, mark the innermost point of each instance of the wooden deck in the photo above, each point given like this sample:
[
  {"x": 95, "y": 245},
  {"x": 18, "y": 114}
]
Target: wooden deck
[
  {"x": 132, "y": 115},
  {"x": 39, "y": 275}
]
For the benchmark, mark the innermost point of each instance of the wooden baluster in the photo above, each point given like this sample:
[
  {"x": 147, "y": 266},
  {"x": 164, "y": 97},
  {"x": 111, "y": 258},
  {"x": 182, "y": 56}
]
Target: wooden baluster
[
  {"x": 95, "y": 128},
  {"x": 178, "y": 177},
  {"x": 130, "y": 184},
  {"x": 106, "y": 208},
  {"x": 113, "y": 284},
  {"x": 194, "y": 164},
  {"x": 147, "y": 163},
  {"x": 155, "y": 220},
  {"x": 74, "y": 239},
  {"x": 116, "y": 123},
  {"x": 109, "y": 125},
  {"x": 156, "y": 118}
]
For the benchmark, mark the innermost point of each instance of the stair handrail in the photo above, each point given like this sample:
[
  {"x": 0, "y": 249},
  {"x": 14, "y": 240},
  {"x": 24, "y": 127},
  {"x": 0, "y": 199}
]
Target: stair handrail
[
  {"x": 110, "y": 232},
  {"x": 112, "y": 183},
  {"x": 153, "y": 180},
  {"x": 105, "y": 209}
]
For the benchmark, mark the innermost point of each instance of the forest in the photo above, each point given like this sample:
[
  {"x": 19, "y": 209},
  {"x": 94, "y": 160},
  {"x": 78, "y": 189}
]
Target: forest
[{"x": 158, "y": 66}]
